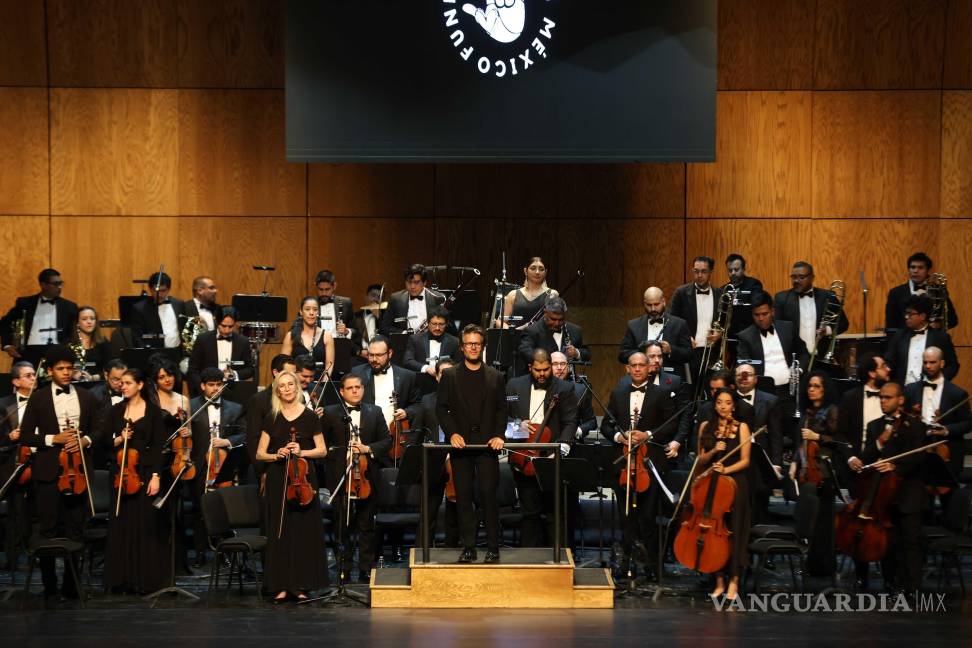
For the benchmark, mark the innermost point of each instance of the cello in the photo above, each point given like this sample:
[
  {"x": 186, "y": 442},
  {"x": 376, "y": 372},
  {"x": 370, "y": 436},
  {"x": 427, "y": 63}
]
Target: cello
[
  {"x": 397, "y": 431},
  {"x": 297, "y": 489},
  {"x": 539, "y": 433},
  {"x": 73, "y": 479}
]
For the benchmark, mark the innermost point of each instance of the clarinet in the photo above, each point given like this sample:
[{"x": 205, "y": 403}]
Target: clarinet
[{"x": 795, "y": 372}]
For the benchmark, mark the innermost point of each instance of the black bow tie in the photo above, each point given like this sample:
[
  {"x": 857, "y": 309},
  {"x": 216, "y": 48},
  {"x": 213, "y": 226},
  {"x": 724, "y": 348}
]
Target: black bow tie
[
  {"x": 436, "y": 338},
  {"x": 228, "y": 338},
  {"x": 930, "y": 384},
  {"x": 809, "y": 293},
  {"x": 643, "y": 389},
  {"x": 890, "y": 419},
  {"x": 210, "y": 307},
  {"x": 324, "y": 301},
  {"x": 656, "y": 320},
  {"x": 47, "y": 301},
  {"x": 699, "y": 291},
  {"x": 537, "y": 385},
  {"x": 770, "y": 330},
  {"x": 21, "y": 399},
  {"x": 748, "y": 398},
  {"x": 214, "y": 405},
  {"x": 912, "y": 334},
  {"x": 870, "y": 394},
  {"x": 66, "y": 390},
  {"x": 920, "y": 287},
  {"x": 164, "y": 301},
  {"x": 418, "y": 297},
  {"x": 354, "y": 408},
  {"x": 382, "y": 371}
]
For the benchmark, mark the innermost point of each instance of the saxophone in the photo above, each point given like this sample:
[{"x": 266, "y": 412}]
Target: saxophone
[
  {"x": 190, "y": 331},
  {"x": 77, "y": 348},
  {"x": 18, "y": 332}
]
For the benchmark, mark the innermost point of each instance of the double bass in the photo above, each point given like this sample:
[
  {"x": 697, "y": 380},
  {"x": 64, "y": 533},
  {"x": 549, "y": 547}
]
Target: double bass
[{"x": 539, "y": 433}]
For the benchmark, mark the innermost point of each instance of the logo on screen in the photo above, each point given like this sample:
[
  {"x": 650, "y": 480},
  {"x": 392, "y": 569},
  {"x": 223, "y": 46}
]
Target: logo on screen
[{"x": 502, "y": 38}]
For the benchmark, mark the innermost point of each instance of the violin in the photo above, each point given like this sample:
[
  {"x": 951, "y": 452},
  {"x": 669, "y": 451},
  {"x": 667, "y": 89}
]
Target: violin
[
  {"x": 127, "y": 479},
  {"x": 299, "y": 489},
  {"x": 72, "y": 480},
  {"x": 397, "y": 430},
  {"x": 635, "y": 475},
  {"x": 702, "y": 542},
  {"x": 358, "y": 485},
  {"x": 808, "y": 455},
  {"x": 214, "y": 461},
  {"x": 539, "y": 433},
  {"x": 450, "y": 487},
  {"x": 182, "y": 457},
  {"x": 941, "y": 450},
  {"x": 24, "y": 458}
]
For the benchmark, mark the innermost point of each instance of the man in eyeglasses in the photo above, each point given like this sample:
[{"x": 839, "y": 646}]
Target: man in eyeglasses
[{"x": 47, "y": 317}]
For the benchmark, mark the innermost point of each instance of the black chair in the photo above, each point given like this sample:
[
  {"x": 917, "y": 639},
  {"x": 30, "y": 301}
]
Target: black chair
[
  {"x": 951, "y": 541},
  {"x": 398, "y": 507},
  {"x": 225, "y": 511},
  {"x": 506, "y": 501},
  {"x": 789, "y": 543},
  {"x": 96, "y": 532},
  {"x": 54, "y": 548}
]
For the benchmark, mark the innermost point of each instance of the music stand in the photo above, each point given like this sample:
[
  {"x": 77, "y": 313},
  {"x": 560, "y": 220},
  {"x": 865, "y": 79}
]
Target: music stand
[
  {"x": 126, "y": 303},
  {"x": 574, "y": 471},
  {"x": 260, "y": 308},
  {"x": 342, "y": 356},
  {"x": 33, "y": 353},
  {"x": 234, "y": 458},
  {"x": 398, "y": 343}
]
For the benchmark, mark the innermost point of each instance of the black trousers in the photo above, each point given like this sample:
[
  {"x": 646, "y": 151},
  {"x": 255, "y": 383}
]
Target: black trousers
[
  {"x": 640, "y": 524},
  {"x": 436, "y": 493},
  {"x": 17, "y": 526},
  {"x": 904, "y": 559},
  {"x": 360, "y": 524},
  {"x": 59, "y": 516},
  {"x": 481, "y": 468}
]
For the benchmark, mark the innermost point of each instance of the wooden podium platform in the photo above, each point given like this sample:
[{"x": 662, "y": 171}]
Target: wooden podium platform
[{"x": 524, "y": 578}]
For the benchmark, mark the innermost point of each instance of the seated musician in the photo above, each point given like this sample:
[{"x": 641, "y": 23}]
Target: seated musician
[
  {"x": 224, "y": 349},
  {"x": 408, "y": 309},
  {"x": 586, "y": 420},
  {"x": 905, "y": 348},
  {"x": 366, "y": 322},
  {"x": 424, "y": 349},
  {"x": 553, "y": 333},
  {"x": 19, "y": 497},
  {"x": 44, "y": 318},
  {"x": 97, "y": 350},
  {"x": 155, "y": 320}
]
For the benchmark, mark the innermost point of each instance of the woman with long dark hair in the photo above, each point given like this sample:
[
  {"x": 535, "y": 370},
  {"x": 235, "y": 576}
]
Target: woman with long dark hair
[
  {"x": 308, "y": 337},
  {"x": 96, "y": 349},
  {"x": 525, "y": 302}
]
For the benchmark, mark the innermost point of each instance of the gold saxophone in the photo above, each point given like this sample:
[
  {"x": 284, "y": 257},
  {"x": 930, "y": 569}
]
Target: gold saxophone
[
  {"x": 77, "y": 348},
  {"x": 831, "y": 318},
  {"x": 936, "y": 288}
]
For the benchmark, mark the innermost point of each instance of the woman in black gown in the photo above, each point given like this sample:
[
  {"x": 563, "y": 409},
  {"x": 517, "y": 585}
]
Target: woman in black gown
[
  {"x": 137, "y": 556},
  {"x": 308, "y": 337},
  {"x": 295, "y": 559},
  {"x": 526, "y": 302},
  {"x": 719, "y": 435}
]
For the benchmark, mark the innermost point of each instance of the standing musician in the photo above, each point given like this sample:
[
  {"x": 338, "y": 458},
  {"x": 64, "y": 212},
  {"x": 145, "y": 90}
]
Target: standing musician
[
  {"x": 471, "y": 408},
  {"x": 697, "y": 304},
  {"x": 674, "y": 389},
  {"x": 746, "y": 287},
  {"x": 526, "y": 302},
  {"x": 309, "y": 337},
  {"x": 919, "y": 269},
  {"x": 203, "y": 303},
  {"x": 670, "y": 331},
  {"x": 586, "y": 420},
  {"x": 771, "y": 345},
  {"x": 896, "y": 432},
  {"x": 366, "y": 321},
  {"x": 906, "y": 347},
  {"x": 804, "y": 305},
  {"x": 719, "y": 435},
  {"x": 223, "y": 348},
  {"x": 306, "y": 372},
  {"x": 20, "y": 498},
  {"x": 336, "y": 311},
  {"x": 429, "y": 424},
  {"x": 175, "y": 407},
  {"x": 373, "y": 442},
  {"x": 295, "y": 559},
  {"x": 529, "y": 397},
  {"x": 46, "y": 317},
  {"x": 408, "y": 309},
  {"x": 137, "y": 552},
  {"x": 259, "y": 406},
  {"x": 158, "y": 315},
  {"x": 96, "y": 349},
  {"x": 107, "y": 393},
  {"x": 219, "y": 427},
  {"x": 765, "y": 412},
  {"x": 936, "y": 395},
  {"x": 382, "y": 379},
  {"x": 654, "y": 406},
  {"x": 53, "y": 419},
  {"x": 554, "y": 333},
  {"x": 424, "y": 349}
]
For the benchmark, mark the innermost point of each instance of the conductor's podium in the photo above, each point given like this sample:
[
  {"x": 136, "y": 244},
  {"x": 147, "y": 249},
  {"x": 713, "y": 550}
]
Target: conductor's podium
[{"x": 524, "y": 578}]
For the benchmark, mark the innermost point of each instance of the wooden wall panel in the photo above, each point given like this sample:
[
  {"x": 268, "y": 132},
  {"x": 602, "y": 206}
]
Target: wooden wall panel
[
  {"x": 231, "y": 43},
  {"x": 228, "y": 247},
  {"x": 964, "y": 377},
  {"x": 954, "y": 243},
  {"x": 371, "y": 190},
  {"x": 105, "y": 43},
  {"x": 957, "y": 153},
  {"x": 24, "y": 142},
  {"x": 765, "y": 44},
  {"x": 366, "y": 251},
  {"x": 25, "y": 241},
  {"x": 114, "y": 152},
  {"x": 23, "y": 53},
  {"x": 605, "y": 371},
  {"x": 100, "y": 256},
  {"x": 559, "y": 191},
  {"x": 958, "y": 45},
  {"x": 770, "y": 248},
  {"x": 231, "y": 155},
  {"x": 762, "y": 163},
  {"x": 876, "y": 154},
  {"x": 879, "y": 44},
  {"x": 842, "y": 248}
]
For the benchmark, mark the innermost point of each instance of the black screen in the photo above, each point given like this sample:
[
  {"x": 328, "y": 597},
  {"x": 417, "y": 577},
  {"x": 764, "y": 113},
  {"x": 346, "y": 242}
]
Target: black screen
[{"x": 501, "y": 80}]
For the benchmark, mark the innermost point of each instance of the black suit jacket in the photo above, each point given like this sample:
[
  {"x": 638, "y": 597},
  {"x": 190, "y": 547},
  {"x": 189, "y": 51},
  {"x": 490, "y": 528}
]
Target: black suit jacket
[
  {"x": 683, "y": 305},
  {"x": 850, "y": 423},
  {"x": 537, "y": 335},
  {"x": 675, "y": 332},
  {"x": 8, "y": 407},
  {"x": 204, "y": 355},
  {"x": 145, "y": 319},
  {"x": 679, "y": 393},
  {"x": 765, "y": 411},
  {"x": 427, "y": 421},
  {"x": 563, "y": 417},
  {"x": 911, "y": 497},
  {"x": 398, "y": 308},
  {"x": 452, "y": 410},
  {"x": 232, "y": 426},
  {"x": 658, "y": 407},
  {"x": 67, "y": 318},
  {"x": 405, "y": 385},
  {"x": 417, "y": 351},
  {"x": 895, "y": 305},
  {"x": 373, "y": 433},
  {"x": 896, "y": 354},
  {"x": 40, "y": 420},
  {"x": 751, "y": 345},
  {"x": 257, "y": 409},
  {"x": 786, "y": 306},
  {"x": 958, "y": 423}
]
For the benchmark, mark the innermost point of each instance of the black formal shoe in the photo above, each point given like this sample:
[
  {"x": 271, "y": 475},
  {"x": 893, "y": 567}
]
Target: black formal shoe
[
  {"x": 467, "y": 556},
  {"x": 364, "y": 577},
  {"x": 199, "y": 563},
  {"x": 861, "y": 585},
  {"x": 491, "y": 557}
]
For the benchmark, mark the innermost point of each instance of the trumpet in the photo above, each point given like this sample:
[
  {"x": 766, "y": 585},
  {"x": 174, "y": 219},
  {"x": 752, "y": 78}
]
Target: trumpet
[
  {"x": 831, "y": 318},
  {"x": 936, "y": 288}
]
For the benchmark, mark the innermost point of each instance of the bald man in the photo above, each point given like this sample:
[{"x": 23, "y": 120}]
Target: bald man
[{"x": 670, "y": 331}]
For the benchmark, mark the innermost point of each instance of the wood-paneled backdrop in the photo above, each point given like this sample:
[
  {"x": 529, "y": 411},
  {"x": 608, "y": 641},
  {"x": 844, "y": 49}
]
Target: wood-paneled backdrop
[{"x": 134, "y": 133}]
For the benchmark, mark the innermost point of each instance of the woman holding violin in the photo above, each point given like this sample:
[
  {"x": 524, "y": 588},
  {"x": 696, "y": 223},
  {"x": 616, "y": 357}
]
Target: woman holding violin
[
  {"x": 137, "y": 556},
  {"x": 175, "y": 406},
  {"x": 308, "y": 337},
  {"x": 527, "y": 301},
  {"x": 291, "y": 437},
  {"x": 722, "y": 434}
]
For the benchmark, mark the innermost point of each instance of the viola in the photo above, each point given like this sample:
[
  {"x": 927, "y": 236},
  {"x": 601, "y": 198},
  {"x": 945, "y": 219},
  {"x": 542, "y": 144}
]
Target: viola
[
  {"x": 215, "y": 457},
  {"x": 299, "y": 489},
  {"x": 73, "y": 479},
  {"x": 941, "y": 450},
  {"x": 539, "y": 433},
  {"x": 127, "y": 480},
  {"x": 24, "y": 458},
  {"x": 358, "y": 485},
  {"x": 398, "y": 431},
  {"x": 635, "y": 473},
  {"x": 182, "y": 457},
  {"x": 450, "y": 487}
]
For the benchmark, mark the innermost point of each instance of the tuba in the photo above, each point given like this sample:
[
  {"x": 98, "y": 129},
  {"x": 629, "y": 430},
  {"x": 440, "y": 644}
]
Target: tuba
[
  {"x": 936, "y": 288},
  {"x": 190, "y": 331},
  {"x": 831, "y": 318}
]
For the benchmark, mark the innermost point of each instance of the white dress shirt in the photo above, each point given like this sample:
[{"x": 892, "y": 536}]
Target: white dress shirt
[
  {"x": 808, "y": 321},
  {"x": 384, "y": 386},
  {"x": 872, "y": 411},
  {"x": 417, "y": 311},
  {"x": 45, "y": 317},
  {"x": 205, "y": 315},
  {"x": 931, "y": 399},
  {"x": 916, "y": 348},
  {"x": 224, "y": 355},
  {"x": 775, "y": 365},
  {"x": 654, "y": 330},
  {"x": 355, "y": 417},
  {"x": 703, "y": 311},
  {"x": 371, "y": 323},
  {"x": 170, "y": 325},
  {"x": 537, "y": 397},
  {"x": 558, "y": 339},
  {"x": 67, "y": 409},
  {"x": 215, "y": 416},
  {"x": 635, "y": 402},
  {"x": 435, "y": 347}
]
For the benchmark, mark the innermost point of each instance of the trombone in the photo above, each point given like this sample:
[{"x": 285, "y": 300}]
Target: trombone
[
  {"x": 936, "y": 288},
  {"x": 720, "y": 324},
  {"x": 829, "y": 318}
]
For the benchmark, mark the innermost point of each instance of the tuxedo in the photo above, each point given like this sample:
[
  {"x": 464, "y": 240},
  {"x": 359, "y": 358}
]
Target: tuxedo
[
  {"x": 850, "y": 422},
  {"x": 751, "y": 346},
  {"x": 189, "y": 309},
  {"x": 786, "y": 307},
  {"x": 675, "y": 332},
  {"x": 683, "y": 305},
  {"x": 231, "y": 427},
  {"x": 360, "y": 338},
  {"x": 894, "y": 309},
  {"x": 958, "y": 423},
  {"x": 764, "y": 410},
  {"x": 8, "y": 448},
  {"x": 66, "y": 316},
  {"x": 538, "y": 336},
  {"x": 257, "y": 409},
  {"x": 427, "y": 421},
  {"x": 204, "y": 355},
  {"x": 563, "y": 417},
  {"x": 896, "y": 354},
  {"x": 677, "y": 391},
  {"x": 417, "y": 352},
  {"x": 146, "y": 321},
  {"x": 405, "y": 385},
  {"x": 398, "y": 309}
]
